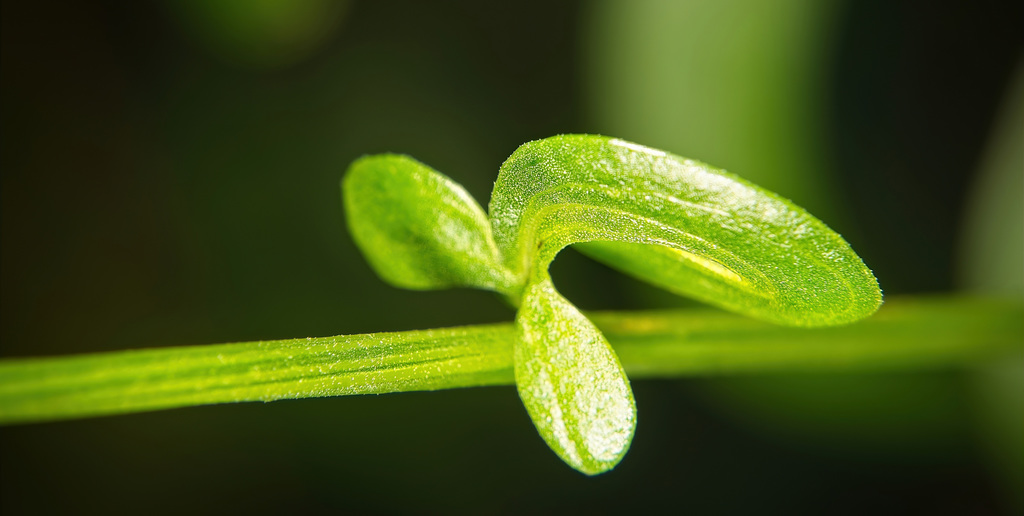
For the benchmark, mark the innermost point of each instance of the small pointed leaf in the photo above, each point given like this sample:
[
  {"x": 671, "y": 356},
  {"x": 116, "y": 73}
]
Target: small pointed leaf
[{"x": 418, "y": 228}]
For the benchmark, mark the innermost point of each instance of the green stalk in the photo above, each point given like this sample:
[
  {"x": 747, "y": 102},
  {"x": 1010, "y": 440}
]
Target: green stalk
[{"x": 908, "y": 333}]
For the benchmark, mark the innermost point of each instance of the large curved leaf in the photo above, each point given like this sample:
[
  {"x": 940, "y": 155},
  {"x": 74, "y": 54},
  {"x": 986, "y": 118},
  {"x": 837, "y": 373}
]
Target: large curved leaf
[{"x": 708, "y": 234}]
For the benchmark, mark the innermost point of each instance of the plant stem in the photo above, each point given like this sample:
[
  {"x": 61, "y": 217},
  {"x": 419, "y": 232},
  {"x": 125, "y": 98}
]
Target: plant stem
[{"x": 907, "y": 333}]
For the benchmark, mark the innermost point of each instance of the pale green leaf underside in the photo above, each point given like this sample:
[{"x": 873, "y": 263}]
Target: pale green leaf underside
[{"x": 906, "y": 334}]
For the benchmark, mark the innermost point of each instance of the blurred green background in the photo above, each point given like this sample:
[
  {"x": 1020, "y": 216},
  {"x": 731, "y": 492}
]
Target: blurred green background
[{"x": 170, "y": 176}]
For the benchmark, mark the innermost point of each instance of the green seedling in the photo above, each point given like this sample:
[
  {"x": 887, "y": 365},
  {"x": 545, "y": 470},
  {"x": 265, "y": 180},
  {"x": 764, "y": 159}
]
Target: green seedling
[{"x": 679, "y": 224}]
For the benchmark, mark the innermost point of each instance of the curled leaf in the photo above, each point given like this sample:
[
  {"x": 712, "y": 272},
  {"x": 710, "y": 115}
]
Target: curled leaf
[{"x": 706, "y": 233}]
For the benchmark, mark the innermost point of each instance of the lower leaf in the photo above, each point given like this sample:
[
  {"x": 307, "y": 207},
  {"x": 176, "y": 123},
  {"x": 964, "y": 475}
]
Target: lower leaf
[{"x": 571, "y": 382}]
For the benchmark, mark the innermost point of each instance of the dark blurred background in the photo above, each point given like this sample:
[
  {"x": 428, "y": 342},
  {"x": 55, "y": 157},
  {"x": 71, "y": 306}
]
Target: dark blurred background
[{"x": 170, "y": 176}]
